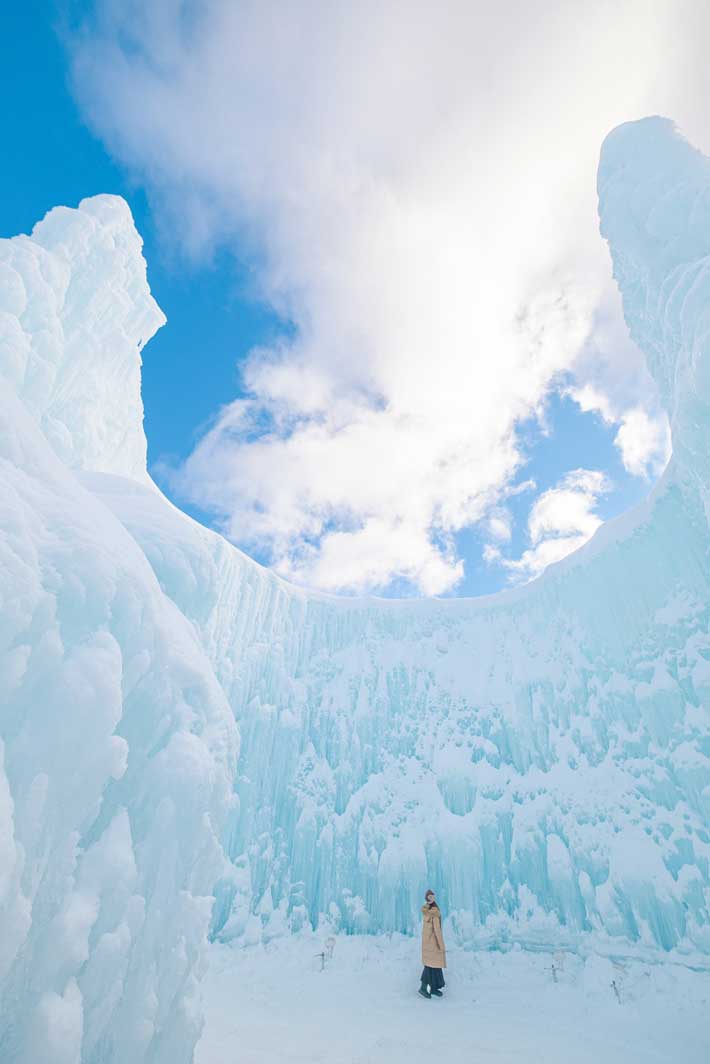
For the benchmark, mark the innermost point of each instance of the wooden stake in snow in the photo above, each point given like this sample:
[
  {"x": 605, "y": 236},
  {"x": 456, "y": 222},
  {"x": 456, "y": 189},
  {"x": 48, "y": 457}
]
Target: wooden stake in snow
[{"x": 327, "y": 954}]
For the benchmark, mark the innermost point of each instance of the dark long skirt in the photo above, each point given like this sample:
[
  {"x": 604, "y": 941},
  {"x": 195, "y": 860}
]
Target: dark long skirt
[{"x": 433, "y": 978}]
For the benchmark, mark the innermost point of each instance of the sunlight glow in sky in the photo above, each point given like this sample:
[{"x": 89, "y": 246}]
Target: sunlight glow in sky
[{"x": 394, "y": 359}]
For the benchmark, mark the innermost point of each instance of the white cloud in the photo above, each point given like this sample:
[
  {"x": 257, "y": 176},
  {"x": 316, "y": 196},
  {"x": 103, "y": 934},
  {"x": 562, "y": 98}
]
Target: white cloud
[
  {"x": 415, "y": 183},
  {"x": 643, "y": 438},
  {"x": 644, "y": 442},
  {"x": 560, "y": 521},
  {"x": 499, "y": 524},
  {"x": 589, "y": 399}
]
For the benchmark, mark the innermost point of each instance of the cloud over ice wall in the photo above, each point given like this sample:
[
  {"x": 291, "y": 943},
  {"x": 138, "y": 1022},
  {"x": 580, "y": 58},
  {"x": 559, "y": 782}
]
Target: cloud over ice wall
[{"x": 540, "y": 757}]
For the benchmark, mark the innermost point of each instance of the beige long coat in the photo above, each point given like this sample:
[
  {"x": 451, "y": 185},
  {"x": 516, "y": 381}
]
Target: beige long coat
[{"x": 433, "y": 948}]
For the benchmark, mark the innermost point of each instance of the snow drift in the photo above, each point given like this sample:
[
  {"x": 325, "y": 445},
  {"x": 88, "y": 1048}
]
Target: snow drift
[{"x": 540, "y": 757}]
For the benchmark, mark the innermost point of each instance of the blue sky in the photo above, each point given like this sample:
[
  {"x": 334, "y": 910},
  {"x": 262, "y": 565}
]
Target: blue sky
[
  {"x": 191, "y": 368},
  {"x": 51, "y": 158}
]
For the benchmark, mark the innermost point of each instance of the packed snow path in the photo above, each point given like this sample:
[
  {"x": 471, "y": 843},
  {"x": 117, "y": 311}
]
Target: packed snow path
[{"x": 274, "y": 1005}]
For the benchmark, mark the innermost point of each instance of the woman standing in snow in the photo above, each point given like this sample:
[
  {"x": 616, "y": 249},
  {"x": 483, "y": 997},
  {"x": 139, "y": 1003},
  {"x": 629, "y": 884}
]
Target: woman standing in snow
[{"x": 433, "y": 948}]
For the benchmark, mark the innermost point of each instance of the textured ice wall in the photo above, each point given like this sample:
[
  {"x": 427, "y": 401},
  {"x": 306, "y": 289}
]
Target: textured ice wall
[
  {"x": 75, "y": 311},
  {"x": 540, "y": 757},
  {"x": 117, "y": 745}
]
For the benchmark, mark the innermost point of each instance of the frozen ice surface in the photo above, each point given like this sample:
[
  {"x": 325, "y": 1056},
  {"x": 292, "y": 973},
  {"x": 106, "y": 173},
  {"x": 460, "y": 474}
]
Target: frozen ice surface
[{"x": 540, "y": 757}]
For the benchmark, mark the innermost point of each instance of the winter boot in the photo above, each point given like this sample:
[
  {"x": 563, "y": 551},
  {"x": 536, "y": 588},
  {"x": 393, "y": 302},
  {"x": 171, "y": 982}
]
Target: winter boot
[
  {"x": 437, "y": 993},
  {"x": 424, "y": 991}
]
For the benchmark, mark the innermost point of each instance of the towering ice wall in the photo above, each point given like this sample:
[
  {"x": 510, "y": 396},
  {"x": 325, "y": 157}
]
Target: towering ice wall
[
  {"x": 541, "y": 757},
  {"x": 117, "y": 745}
]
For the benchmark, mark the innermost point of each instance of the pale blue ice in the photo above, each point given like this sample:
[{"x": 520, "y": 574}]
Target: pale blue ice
[{"x": 178, "y": 723}]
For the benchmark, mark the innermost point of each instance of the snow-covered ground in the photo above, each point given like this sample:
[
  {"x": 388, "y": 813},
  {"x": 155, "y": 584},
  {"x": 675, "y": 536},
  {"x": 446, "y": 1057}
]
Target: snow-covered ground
[{"x": 273, "y": 1005}]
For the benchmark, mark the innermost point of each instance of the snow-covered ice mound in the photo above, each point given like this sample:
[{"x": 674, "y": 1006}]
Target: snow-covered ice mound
[{"x": 540, "y": 757}]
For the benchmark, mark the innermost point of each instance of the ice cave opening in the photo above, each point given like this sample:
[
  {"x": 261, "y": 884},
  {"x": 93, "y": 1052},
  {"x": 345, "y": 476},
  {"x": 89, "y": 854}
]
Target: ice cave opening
[{"x": 199, "y": 761}]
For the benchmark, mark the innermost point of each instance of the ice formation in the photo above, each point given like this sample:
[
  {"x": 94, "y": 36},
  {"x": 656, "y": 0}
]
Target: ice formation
[
  {"x": 117, "y": 744},
  {"x": 540, "y": 757}
]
